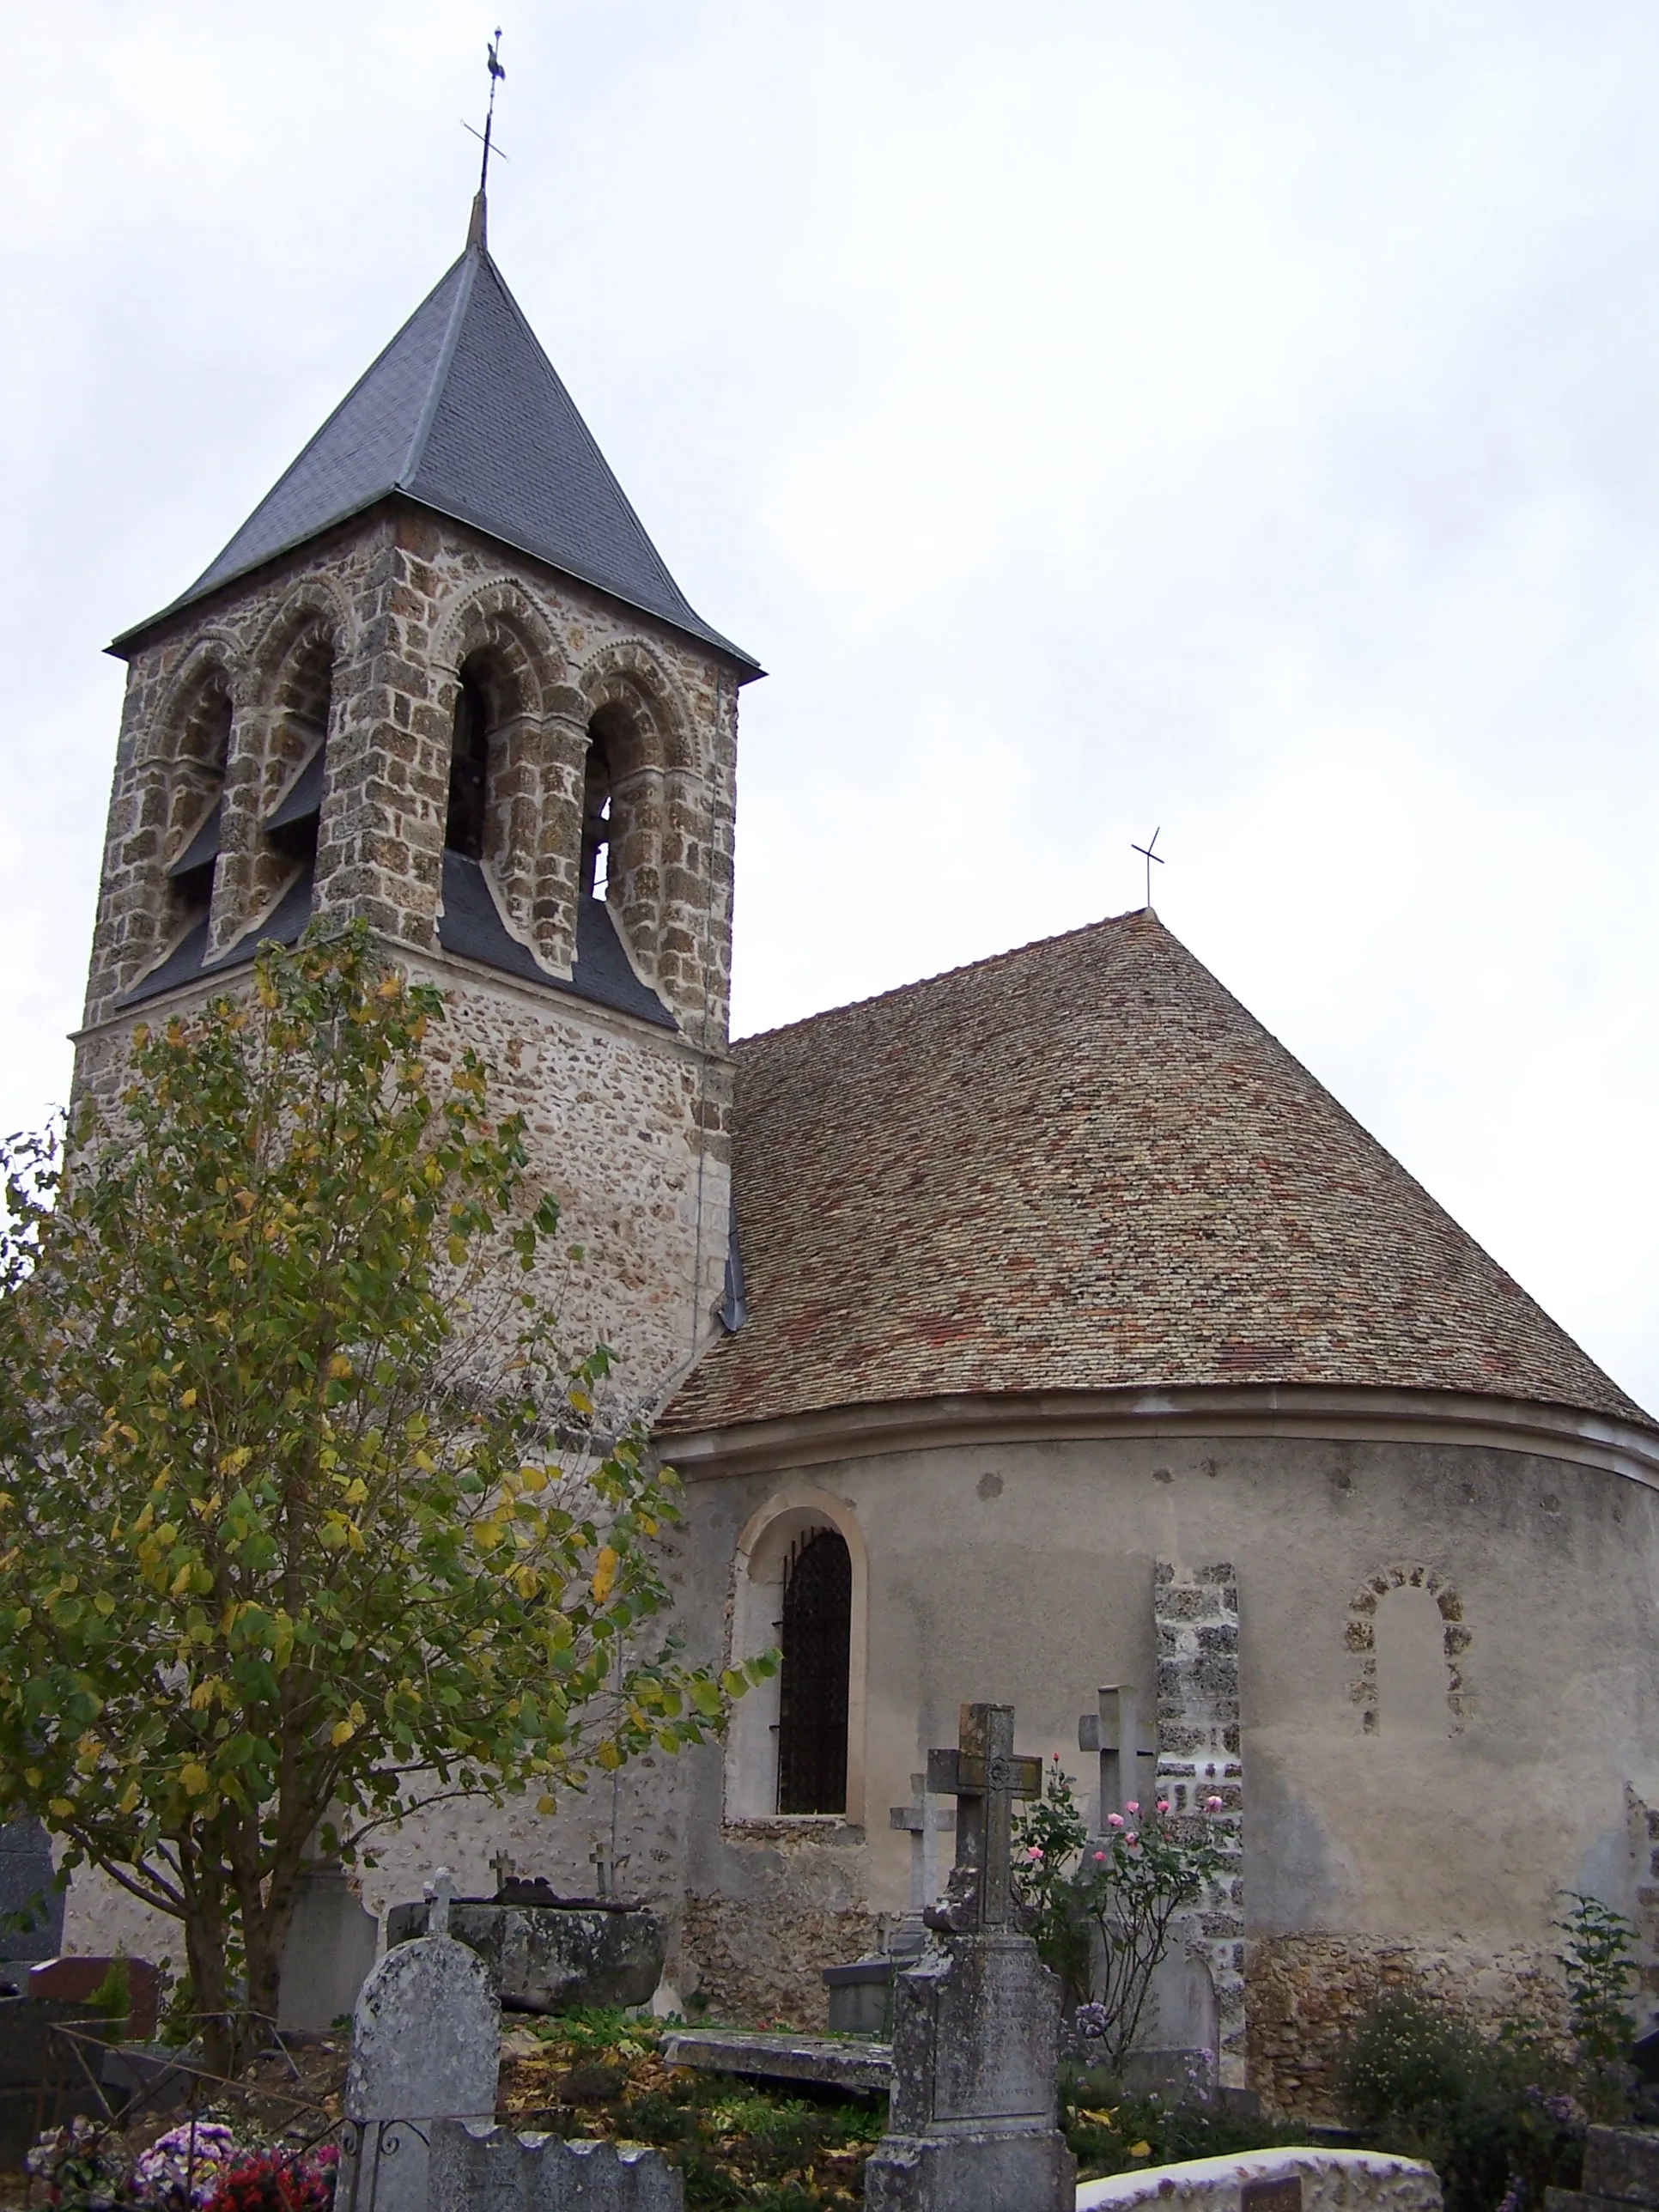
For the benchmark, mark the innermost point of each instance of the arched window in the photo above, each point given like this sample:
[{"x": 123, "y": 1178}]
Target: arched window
[
  {"x": 816, "y": 1637},
  {"x": 286, "y": 861},
  {"x": 597, "y": 819},
  {"x": 469, "y": 770},
  {"x": 195, "y": 810}
]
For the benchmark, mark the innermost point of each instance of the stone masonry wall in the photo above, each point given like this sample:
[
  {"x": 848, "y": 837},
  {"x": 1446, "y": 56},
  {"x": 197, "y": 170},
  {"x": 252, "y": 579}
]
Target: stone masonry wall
[
  {"x": 1306, "y": 1990},
  {"x": 1195, "y": 1614},
  {"x": 629, "y": 1123}
]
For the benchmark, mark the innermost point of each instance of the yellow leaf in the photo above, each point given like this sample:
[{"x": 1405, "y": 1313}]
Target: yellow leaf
[
  {"x": 180, "y": 1583},
  {"x": 609, "y": 1757},
  {"x": 188, "y": 1399},
  {"x": 547, "y": 1804},
  {"x": 604, "y": 1575},
  {"x": 1141, "y": 2151},
  {"x": 339, "y": 1368},
  {"x": 341, "y": 1732},
  {"x": 193, "y": 1778},
  {"x": 61, "y": 1806},
  {"x": 580, "y": 1400}
]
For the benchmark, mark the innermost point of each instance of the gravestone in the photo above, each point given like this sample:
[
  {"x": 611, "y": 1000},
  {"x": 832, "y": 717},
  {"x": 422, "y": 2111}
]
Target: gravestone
[
  {"x": 28, "y": 1894},
  {"x": 924, "y": 1821},
  {"x": 976, "y": 2019},
  {"x": 425, "y": 2044},
  {"x": 1127, "y": 1751},
  {"x": 75, "y": 1980},
  {"x": 330, "y": 1947}
]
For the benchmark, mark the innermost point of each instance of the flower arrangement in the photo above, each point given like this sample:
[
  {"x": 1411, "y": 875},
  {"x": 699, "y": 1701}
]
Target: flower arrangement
[
  {"x": 1104, "y": 1905},
  {"x": 278, "y": 2181},
  {"x": 182, "y": 2168}
]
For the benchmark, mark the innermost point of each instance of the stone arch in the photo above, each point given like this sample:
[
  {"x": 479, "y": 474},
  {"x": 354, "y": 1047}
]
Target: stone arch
[
  {"x": 763, "y": 1550},
  {"x": 627, "y": 679},
  {"x": 316, "y": 605},
  {"x": 510, "y": 636},
  {"x": 1408, "y": 1574},
  {"x": 498, "y": 666},
  {"x": 273, "y": 800},
  {"x": 212, "y": 663}
]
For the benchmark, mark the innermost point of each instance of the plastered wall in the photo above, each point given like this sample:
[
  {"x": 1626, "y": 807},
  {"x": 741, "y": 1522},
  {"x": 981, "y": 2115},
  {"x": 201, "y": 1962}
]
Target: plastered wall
[{"x": 1429, "y": 1809}]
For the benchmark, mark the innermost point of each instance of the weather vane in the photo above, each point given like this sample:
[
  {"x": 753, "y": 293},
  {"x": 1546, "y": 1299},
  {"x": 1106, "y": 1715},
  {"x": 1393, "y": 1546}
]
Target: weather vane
[
  {"x": 493, "y": 59},
  {"x": 1149, "y": 856}
]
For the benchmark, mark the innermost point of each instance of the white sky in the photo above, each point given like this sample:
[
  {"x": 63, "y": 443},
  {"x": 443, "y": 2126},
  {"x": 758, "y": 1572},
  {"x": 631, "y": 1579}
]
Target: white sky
[{"x": 1095, "y": 415}]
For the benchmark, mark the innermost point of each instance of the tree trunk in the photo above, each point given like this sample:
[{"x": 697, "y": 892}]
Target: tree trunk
[{"x": 205, "y": 1933}]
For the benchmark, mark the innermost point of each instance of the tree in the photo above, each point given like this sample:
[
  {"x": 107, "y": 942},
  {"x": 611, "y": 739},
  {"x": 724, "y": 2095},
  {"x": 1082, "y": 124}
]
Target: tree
[{"x": 304, "y": 1522}]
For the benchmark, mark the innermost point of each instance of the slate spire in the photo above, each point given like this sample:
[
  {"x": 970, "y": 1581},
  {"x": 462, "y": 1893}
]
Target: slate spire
[{"x": 464, "y": 414}]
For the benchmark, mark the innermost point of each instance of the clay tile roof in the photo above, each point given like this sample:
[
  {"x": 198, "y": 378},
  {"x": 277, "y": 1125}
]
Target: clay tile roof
[
  {"x": 464, "y": 414},
  {"x": 1083, "y": 1165}
]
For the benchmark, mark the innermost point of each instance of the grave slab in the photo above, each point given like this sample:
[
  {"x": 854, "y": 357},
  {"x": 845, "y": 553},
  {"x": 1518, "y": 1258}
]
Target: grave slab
[
  {"x": 1267, "y": 2180},
  {"x": 857, "y": 2065}
]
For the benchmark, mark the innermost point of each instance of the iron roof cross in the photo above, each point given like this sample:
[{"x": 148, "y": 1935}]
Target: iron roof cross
[
  {"x": 984, "y": 1777},
  {"x": 1149, "y": 856}
]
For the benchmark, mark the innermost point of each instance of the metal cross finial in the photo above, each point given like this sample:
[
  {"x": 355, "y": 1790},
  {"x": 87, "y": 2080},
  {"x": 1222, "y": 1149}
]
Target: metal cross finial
[
  {"x": 1149, "y": 856},
  {"x": 493, "y": 62}
]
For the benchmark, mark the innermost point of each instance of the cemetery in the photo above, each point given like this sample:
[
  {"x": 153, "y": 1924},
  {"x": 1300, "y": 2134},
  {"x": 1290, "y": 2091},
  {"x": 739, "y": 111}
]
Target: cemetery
[{"x": 981, "y": 2082}]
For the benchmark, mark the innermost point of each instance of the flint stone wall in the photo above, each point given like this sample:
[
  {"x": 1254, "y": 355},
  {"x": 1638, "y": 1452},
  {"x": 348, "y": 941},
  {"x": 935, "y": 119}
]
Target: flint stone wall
[
  {"x": 1330, "y": 2181},
  {"x": 1307, "y": 1991}
]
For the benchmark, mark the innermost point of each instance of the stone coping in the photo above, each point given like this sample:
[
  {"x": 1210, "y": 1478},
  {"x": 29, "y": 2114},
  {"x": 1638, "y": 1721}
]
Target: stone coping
[
  {"x": 1332, "y": 2181},
  {"x": 835, "y": 2062},
  {"x": 1321, "y": 1412}
]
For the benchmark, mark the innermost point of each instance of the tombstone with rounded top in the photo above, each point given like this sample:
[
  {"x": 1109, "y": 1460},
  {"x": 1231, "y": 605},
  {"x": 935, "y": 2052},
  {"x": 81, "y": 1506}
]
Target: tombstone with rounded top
[{"x": 425, "y": 2044}]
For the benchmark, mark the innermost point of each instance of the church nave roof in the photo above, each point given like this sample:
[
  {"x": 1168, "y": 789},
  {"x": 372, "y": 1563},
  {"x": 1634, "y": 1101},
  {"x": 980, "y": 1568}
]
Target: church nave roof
[{"x": 1083, "y": 1165}]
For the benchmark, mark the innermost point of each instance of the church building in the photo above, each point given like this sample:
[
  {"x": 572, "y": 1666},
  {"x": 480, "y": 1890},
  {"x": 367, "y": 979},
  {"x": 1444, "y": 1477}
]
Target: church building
[{"x": 1041, "y": 1332}]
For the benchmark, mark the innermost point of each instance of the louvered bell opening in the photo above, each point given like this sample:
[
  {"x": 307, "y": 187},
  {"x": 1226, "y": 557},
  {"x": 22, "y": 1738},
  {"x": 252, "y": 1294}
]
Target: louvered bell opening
[
  {"x": 291, "y": 825},
  {"x": 202, "y": 849},
  {"x": 816, "y": 1641}
]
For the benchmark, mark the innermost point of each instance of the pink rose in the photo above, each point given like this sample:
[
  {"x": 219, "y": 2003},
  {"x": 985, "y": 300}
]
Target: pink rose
[
  {"x": 1131, "y": 1807},
  {"x": 1115, "y": 1819},
  {"x": 1099, "y": 1855},
  {"x": 1034, "y": 1852},
  {"x": 1213, "y": 1804},
  {"x": 1132, "y": 1840},
  {"x": 1163, "y": 1804}
]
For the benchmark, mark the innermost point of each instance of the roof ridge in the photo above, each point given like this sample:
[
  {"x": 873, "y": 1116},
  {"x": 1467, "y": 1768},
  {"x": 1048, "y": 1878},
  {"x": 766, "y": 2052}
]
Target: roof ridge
[
  {"x": 581, "y": 424},
  {"x": 963, "y": 968},
  {"x": 441, "y": 368}
]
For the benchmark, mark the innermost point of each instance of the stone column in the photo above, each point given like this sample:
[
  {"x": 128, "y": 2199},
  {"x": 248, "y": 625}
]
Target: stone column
[{"x": 1196, "y": 1612}]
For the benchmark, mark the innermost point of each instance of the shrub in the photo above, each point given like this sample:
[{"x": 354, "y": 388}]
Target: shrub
[{"x": 1497, "y": 2118}]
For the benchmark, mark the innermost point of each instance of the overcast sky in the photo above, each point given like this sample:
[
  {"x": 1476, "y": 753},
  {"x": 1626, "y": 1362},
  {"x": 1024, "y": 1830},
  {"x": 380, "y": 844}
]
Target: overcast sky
[{"x": 1242, "y": 422}]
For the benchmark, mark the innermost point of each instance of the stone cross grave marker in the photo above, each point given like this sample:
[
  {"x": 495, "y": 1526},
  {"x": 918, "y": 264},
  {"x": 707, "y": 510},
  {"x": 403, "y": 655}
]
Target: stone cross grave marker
[
  {"x": 971, "y": 2125},
  {"x": 984, "y": 1777},
  {"x": 925, "y": 1821},
  {"x": 426, "y": 2041},
  {"x": 1128, "y": 1752}
]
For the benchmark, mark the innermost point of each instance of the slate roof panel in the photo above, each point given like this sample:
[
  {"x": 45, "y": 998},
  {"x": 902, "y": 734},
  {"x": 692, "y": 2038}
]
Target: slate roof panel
[
  {"x": 1083, "y": 1165},
  {"x": 464, "y": 414}
]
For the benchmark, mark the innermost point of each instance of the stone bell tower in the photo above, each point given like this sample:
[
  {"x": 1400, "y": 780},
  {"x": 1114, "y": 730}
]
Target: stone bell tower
[{"x": 442, "y": 680}]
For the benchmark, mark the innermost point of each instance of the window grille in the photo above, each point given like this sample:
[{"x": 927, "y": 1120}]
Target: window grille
[{"x": 816, "y": 1641}]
